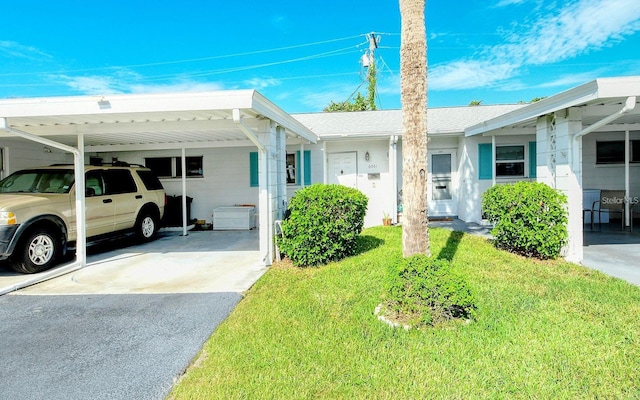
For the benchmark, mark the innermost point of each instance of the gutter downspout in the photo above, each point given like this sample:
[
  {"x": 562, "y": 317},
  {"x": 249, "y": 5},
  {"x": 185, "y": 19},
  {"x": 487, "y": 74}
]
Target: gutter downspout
[
  {"x": 629, "y": 105},
  {"x": 393, "y": 162}
]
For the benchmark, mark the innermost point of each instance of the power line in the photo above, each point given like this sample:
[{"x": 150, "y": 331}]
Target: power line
[{"x": 183, "y": 61}]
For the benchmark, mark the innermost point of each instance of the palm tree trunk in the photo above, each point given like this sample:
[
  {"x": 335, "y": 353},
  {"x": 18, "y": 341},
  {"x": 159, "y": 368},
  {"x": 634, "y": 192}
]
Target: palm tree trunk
[{"x": 413, "y": 74}]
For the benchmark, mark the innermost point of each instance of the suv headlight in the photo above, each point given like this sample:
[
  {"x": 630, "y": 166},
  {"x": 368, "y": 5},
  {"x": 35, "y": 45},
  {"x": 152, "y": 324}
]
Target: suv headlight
[{"x": 7, "y": 218}]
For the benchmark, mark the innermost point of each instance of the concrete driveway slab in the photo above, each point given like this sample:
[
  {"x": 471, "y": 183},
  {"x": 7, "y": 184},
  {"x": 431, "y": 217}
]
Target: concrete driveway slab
[{"x": 127, "y": 325}]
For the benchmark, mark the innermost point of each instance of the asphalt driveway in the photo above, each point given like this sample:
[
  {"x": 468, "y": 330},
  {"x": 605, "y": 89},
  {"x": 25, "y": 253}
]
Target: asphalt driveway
[{"x": 129, "y": 324}]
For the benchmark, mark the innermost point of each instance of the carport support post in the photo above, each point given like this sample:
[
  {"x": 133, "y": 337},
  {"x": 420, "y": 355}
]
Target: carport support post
[
  {"x": 183, "y": 163},
  {"x": 568, "y": 176},
  {"x": 81, "y": 240},
  {"x": 78, "y": 167},
  {"x": 268, "y": 182}
]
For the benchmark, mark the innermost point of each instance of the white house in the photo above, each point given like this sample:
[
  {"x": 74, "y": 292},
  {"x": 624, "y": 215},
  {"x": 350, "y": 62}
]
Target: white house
[{"x": 231, "y": 148}]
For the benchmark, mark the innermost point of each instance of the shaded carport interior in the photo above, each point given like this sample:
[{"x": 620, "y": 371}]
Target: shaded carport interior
[
  {"x": 162, "y": 121},
  {"x": 598, "y": 107}
]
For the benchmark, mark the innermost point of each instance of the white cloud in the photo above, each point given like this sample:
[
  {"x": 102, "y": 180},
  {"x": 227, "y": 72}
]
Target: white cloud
[
  {"x": 261, "y": 83},
  {"x": 575, "y": 28},
  {"x": 128, "y": 82},
  {"x": 91, "y": 84},
  {"x": 469, "y": 74},
  {"x": 16, "y": 50},
  {"x": 504, "y": 3}
]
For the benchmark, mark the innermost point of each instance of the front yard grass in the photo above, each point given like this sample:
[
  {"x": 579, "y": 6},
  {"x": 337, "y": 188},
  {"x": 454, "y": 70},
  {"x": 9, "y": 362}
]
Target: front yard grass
[{"x": 543, "y": 329}]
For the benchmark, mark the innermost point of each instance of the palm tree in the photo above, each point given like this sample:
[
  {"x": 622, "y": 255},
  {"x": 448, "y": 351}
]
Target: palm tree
[{"x": 413, "y": 75}]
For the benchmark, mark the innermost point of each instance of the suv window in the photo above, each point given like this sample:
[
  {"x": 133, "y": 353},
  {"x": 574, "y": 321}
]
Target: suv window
[
  {"x": 150, "y": 180},
  {"x": 38, "y": 181},
  {"x": 94, "y": 184},
  {"x": 118, "y": 181}
]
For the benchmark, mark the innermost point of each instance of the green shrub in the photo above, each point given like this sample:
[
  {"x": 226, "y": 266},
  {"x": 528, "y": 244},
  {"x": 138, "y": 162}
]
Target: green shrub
[
  {"x": 425, "y": 291},
  {"x": 323, "y": 225},
  {"x": 530, "y": 218}
]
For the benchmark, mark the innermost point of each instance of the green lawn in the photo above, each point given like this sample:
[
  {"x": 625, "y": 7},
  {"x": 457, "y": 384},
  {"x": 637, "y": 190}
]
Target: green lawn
[{"x": 544, "y": 329}]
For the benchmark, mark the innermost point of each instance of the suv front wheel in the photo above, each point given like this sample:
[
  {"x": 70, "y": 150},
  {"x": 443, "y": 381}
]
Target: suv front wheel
[{"x": 37, "y": 252}]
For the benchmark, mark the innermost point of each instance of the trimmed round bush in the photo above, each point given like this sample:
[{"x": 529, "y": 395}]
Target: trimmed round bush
[
  {"x": 323, "y": 224},
  {"x": 426, "y": 291},
  {"x": 530, "y": 218}
]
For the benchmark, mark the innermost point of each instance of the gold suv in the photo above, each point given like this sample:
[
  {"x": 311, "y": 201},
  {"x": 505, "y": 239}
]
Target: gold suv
[{"x": 37, "y": 210}]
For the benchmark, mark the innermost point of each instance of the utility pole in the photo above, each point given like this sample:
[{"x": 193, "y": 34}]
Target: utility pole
[{"x": 369, "y": 61}]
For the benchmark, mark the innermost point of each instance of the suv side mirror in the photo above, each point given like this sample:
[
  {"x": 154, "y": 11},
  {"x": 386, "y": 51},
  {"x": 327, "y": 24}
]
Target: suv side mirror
[{"x": 89, "y": 192}]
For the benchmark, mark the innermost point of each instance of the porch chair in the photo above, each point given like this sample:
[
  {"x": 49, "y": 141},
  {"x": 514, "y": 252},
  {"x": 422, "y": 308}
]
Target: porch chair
[{"x": 612, "y": 202}]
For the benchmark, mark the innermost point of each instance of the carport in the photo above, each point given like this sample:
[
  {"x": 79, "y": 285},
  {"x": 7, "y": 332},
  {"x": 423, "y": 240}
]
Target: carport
[
  {"x": 163, "y": 121},
  {"x": 605, "y": 110}
]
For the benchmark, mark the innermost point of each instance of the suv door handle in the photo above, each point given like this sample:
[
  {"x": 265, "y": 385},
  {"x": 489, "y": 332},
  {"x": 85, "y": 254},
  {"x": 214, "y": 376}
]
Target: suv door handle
[
  {"x": 138, "y": 196},
  {"x": 107, "y": 201}
]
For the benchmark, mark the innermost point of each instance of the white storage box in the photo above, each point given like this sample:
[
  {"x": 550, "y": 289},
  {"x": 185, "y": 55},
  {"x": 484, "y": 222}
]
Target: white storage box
[{"x": 235, "y": 217}]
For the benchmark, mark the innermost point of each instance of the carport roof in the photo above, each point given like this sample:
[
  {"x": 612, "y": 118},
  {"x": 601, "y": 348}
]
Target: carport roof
[
  {"x": 597, "y": 99},
  {"x": 148, "y": 121}
]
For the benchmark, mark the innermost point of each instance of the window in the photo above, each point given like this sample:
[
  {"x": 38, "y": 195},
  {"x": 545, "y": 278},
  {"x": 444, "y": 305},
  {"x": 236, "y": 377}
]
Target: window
[
  {"x": 118, "y": 181},
  {"x": 291, "y": 169},
  {"x": 612, "y": 152},
  {"x": 510, "y": 160},
  {"x": 171, "y": 167},
  {"x": 150, "y": 180}
]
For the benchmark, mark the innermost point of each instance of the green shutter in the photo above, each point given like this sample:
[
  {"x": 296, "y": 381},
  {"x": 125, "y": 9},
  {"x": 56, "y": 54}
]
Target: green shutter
[
  {"x": 307, "y": 167},
  {"x": 254, "y": 181},
  {"x": 533, "y": 159},
  {"x": 485, "y": 161},
  {"x": 298, "y": 167}
]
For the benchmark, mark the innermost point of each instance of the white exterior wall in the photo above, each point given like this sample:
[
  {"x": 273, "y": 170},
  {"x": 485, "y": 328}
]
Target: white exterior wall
[
  {"x": 380, "y": 191},
  {"x": 20, "y": 154},
  {"x": 225, "y": 180},
  {"x": 471, "y": 188}
]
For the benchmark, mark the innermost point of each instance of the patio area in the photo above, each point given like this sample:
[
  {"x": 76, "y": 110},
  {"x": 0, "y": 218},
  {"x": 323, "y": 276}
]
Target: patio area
[{"x": 613, "y": 252}]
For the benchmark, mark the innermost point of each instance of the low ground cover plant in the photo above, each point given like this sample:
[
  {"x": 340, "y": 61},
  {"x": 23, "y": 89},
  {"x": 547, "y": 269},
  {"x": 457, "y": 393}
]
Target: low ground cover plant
[
  {"x": 323, "y": 224},
  {"x": 426, "y": 291},
  {"x": 530, "y": 218}
]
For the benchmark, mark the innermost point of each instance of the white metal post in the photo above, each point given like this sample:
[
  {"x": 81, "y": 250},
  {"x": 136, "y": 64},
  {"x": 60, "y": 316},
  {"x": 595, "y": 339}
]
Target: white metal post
[
  {"x": 81, "y": 235},
  {"x": 183, "y": 163}
]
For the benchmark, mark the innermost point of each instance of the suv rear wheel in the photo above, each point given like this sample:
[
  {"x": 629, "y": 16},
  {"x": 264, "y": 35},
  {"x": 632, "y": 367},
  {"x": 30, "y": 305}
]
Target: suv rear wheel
[
  {"x": 37, "y": 252},
  {"x": 146, "y": 226}
]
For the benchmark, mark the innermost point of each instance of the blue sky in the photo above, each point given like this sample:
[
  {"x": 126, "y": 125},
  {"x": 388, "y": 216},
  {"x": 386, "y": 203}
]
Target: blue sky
[{"x": 304, "y": 54}]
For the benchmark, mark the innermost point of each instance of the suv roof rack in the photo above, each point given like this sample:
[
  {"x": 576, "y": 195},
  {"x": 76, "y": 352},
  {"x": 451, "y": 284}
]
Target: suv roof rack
[{"x": 106, "y": 164}]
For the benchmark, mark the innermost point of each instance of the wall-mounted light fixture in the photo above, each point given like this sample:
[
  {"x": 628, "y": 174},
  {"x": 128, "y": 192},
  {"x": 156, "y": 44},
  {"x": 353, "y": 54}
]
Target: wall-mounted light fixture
[{"x": 366, "y": 156}]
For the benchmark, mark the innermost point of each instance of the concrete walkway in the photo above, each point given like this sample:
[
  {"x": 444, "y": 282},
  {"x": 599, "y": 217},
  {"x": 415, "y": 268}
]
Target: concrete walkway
[{"x": 609, "y": 250}]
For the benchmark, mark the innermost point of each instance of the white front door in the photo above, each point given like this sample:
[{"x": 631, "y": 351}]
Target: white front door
[
  {"x": 343, "y": 168},
  {"x": 441, "y": 189}
]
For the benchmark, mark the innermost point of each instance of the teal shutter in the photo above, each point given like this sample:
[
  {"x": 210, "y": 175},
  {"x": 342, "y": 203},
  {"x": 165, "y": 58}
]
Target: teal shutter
[
  {"x": 307, "y": 167},
  {"x": 533, "y": 163},
  {"x": 298, "y": 167},
  {"x": 254, "y": 181},
  {"x": 485, "y": 161}
]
